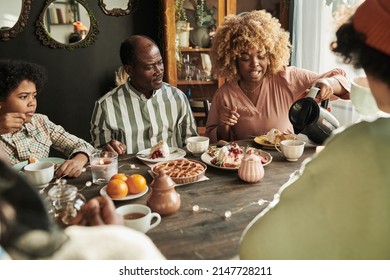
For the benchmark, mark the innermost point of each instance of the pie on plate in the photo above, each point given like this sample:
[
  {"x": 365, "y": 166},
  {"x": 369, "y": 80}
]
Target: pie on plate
[{"x": 182, "y": 171}]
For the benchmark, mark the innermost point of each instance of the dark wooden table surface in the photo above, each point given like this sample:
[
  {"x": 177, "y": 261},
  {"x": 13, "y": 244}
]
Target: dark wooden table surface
[{"x": 207, "y": 234}]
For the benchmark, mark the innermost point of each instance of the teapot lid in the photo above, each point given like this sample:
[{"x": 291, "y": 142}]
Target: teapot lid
[
  {"x": 63, "y": 192},
  {"x": 251, "y": 156},
  {"x": 162, "y": 181}
]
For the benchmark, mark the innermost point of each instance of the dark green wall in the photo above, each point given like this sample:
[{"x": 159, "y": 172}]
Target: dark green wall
[{"x": 79, "y": 77}]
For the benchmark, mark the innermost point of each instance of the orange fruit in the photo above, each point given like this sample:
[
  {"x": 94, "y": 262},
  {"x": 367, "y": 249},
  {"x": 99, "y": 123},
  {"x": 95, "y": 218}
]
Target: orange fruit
[
  {"x": 120, "y": 176},
  {"x": 117, "y": 188},
  {"x": 136, "y": 183}
]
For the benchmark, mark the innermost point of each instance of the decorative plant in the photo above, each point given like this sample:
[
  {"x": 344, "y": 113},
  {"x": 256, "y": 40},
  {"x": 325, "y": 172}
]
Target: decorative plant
[
  {"x": 180, "y": 15},
  {"x": 203, "y": 14},
  {"x": 180, "y": 12}
]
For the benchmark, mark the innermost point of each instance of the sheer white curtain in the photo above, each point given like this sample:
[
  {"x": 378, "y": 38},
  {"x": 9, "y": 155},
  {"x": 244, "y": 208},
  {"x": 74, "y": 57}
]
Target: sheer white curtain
[{"x": 313, "y": 31}]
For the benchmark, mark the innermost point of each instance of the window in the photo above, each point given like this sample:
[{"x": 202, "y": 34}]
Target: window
[{"x": 312, "y": 34}]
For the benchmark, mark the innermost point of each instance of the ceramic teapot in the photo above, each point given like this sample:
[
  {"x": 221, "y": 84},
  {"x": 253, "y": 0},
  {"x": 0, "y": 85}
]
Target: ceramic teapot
[
  {"x": 251, "y": 169},
  {"x": 307, "y": 117},
  {"x": 163, "y": 197}
]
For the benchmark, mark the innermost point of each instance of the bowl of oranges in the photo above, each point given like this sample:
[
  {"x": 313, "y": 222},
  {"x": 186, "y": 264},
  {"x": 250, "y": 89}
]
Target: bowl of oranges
[{"x": 125, "y": 187}]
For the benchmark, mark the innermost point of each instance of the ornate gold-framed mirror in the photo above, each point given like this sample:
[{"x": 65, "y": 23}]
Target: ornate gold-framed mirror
[
  {"x": 13, "y": 17},
  {"x": 117, "y": 7},
  {"x": 67, "y": 24}
]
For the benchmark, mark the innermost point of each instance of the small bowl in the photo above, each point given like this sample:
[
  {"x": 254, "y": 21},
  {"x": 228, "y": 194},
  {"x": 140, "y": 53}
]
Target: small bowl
[
  {"x": 176, "y": 166},
  {"x": 40, "y": 173}
]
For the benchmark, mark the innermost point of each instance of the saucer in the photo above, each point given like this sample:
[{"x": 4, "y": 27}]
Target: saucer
[{"x": 57, "y": 161}]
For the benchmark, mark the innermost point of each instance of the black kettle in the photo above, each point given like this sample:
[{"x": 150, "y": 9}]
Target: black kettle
[{"x": 307, "y": 117}]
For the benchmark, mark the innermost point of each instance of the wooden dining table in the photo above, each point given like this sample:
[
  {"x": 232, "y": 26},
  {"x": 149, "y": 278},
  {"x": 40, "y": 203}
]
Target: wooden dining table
[{"x": 208, "y": 233}]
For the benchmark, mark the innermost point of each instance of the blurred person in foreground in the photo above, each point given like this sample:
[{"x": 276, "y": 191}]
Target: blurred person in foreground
[
  {"x": 28, "y": 232},
  {"x": 339, "y": 213},
  {"x": 252, "y": 52},
  {"x": 144, "y": 110},
  {"x": 26, "y": 135}
]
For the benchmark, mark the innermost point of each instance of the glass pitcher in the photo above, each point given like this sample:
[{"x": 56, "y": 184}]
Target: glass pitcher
[{"x": 65, "y": 203}]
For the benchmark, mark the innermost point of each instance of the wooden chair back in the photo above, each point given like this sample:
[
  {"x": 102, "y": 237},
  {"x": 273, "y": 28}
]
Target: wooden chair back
[
  {"x": 200, "y": 106},
  {"x": 200, "y": 109}
]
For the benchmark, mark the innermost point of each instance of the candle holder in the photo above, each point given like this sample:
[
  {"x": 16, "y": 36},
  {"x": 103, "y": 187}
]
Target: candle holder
[{"x": 104, "y": 165}]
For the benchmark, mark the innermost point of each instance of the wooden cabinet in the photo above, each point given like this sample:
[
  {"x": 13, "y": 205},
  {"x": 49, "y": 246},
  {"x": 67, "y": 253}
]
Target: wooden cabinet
[
  {"x": 278, "y": 8},
  {"x": 177, "y": 59}
]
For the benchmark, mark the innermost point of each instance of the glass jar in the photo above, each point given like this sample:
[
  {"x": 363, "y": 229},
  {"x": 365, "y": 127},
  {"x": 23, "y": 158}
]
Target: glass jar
[{"x": 65, "y": 203}]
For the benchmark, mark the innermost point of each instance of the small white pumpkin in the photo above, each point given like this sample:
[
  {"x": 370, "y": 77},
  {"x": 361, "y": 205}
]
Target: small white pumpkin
[{"x": 251, "y": 169}]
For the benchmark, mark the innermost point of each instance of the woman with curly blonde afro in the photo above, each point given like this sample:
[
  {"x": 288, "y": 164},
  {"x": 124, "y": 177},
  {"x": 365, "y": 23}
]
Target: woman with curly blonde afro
[
  {"x": 319, "y": 216},
  {"x": 252, "y": 52}
]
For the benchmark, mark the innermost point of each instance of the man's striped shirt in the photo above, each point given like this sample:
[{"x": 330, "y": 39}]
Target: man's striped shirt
[{"x": 126, "y": 115}]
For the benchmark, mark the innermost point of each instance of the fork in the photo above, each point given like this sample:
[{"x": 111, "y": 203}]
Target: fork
[
  {"x": 143, "y": 155},
  {"x": 147, "y": 155}
]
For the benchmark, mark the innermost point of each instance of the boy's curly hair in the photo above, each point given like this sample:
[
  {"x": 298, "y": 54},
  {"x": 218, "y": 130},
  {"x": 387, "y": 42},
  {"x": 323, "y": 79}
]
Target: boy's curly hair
[
  {"x": 13, "y": 72},
  {"x": 239, "y": 33}
]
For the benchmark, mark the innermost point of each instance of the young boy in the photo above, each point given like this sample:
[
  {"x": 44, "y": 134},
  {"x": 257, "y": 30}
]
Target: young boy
[{"x": 25, "y": 134}]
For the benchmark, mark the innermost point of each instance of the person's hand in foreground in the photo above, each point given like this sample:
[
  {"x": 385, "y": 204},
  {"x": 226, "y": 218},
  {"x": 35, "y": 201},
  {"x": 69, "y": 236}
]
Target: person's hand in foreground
[{"x": 97, "y": 211}]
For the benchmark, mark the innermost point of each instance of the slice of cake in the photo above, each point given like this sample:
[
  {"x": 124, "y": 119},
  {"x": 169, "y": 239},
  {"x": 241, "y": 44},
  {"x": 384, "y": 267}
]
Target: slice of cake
[
  {"x": 160, "y": 150},
  {"x": 229, "y": 156},
  {"x": 275, "y": 136}
]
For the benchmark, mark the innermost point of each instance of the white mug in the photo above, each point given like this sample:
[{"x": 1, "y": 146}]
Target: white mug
[
  {"x": 362, "y": 98},
  {"x": 139, "y": 217},
  {"x": 197, "y": 145},
  {"x": 291, "y": 149},
  {"x": 39, "y": 173}
]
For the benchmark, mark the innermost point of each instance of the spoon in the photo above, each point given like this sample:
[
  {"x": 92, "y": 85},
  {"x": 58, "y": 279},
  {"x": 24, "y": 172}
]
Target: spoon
[
  {"x": 87, "y": 185},
  {"x": 128, "y": 165},
  {"x": 44, "y": 188},
  {"x": 58, "y": 181}
]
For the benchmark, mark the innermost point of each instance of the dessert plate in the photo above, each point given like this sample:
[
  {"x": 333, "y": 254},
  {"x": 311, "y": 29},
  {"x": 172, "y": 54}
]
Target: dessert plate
[
  {"x": 206, "y": 158},
  {"x": 262, "y": 140},
  {"x": 57, "y": 161},
  {"x": 127, "y": 197},
  {"x": 175, "y": 153}
]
